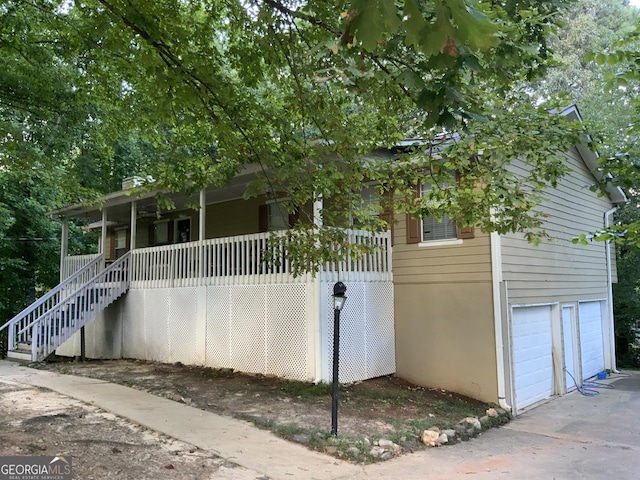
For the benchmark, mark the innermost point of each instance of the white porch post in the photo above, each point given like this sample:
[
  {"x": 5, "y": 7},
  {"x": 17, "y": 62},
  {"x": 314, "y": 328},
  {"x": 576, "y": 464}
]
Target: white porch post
[
  {"x": 203, "y": 214},
  {"x": 315, "y": 330},
  {"x": 103, "y": 233},
  {"x": 64, "y": 246},
  {"x": 133, "y": 230},
  {"x": 317, "y": 208},
  {"x": 201, "y": 234}
]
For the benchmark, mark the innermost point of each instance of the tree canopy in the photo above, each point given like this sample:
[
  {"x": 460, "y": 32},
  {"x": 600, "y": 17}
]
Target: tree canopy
[{"x": 303, "y": 89}]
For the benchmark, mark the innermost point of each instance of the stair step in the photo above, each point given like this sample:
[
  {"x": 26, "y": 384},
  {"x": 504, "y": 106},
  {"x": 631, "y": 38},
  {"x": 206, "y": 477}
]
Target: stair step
[
  {"x": 24, "y": 346},
  {"x": 20, "y": 355}
]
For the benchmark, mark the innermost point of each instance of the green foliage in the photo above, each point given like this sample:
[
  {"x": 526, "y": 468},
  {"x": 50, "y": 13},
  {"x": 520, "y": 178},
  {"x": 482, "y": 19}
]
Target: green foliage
[
  {"x": 626, "y": 292},
  {"x": 190, "y": 93},
  {"x": 29, "y": 240},
  {"x": 28, "y": 243},
  {"x": 597, "y": 51}
]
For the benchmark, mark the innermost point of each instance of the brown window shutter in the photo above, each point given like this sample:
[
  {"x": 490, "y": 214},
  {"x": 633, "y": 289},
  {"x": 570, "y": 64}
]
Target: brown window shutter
[
  {"x": 414, "y": 235},
  {"x": 413, "y": 230},
  {"x": 293, "y": 218},
  {"x": 262, "y": 218},
  {"x": 466, "y": 232}
]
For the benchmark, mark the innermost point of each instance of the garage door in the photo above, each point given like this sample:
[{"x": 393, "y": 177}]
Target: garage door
[
  {"x": 532, "y": 360},
  {"x": 591, "y": 342}
]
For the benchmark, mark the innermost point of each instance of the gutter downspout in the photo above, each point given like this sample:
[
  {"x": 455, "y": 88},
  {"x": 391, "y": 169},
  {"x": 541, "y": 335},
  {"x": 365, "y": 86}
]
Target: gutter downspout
[
  {"x": 612, "y": 342},
  {"x": 496, "y": 279}
]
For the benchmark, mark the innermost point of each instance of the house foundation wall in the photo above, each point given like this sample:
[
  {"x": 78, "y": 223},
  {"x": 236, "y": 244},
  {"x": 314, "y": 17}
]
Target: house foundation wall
[
  {"x": 274, "y": 329},
  {"x": 447, "y": 343}
]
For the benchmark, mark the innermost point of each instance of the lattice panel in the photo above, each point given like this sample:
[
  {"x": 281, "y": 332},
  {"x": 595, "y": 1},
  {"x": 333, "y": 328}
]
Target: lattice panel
[
  {"x": 286, "y": 331},
  {"x": 183, "y": 315},
  {"x": 156, "y": 322},
  {"x": 133, "y": 326},
  {"x": 247, "y": 326},
  {"x": 353, "y": 354},
  {"x": 217, "y": 328},
  {"x": 364, "y": 352},
  {"x": 381, "y": 357}
]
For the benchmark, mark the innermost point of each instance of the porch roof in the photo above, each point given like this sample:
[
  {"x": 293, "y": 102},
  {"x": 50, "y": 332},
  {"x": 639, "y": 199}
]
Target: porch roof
[{"x": 119, "y": 203}]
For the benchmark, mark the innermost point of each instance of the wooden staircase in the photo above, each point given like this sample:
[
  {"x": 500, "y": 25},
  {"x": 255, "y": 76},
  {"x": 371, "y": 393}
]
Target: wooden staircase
[{"x": 38, "y": 330}]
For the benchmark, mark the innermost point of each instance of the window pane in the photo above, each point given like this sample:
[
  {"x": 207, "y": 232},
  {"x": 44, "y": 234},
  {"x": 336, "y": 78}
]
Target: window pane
[
  {"x": 161, "y": 233},
  {"x": 433, "y": 229},
  {"x": 370, "y": 203},
  {"x": 277, "y": 217},
  {"x": 121, "y": 239}
]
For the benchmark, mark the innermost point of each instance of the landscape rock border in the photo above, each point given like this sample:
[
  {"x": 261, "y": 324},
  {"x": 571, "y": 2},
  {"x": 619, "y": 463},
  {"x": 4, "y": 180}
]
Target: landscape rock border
[{"x": 465, "y": 429}]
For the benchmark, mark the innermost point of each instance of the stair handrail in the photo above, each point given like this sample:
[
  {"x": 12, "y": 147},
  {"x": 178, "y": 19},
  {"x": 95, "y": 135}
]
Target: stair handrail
[
  {"x": 46, "y": 298},
  {"x": 45, "y": 321}
]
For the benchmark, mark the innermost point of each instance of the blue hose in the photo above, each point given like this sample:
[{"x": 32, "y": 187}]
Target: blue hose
[{"x": 587, "y": 392}]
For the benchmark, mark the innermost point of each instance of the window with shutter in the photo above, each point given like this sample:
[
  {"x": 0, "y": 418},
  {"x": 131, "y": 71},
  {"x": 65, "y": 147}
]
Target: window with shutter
[
  {"x": 430, "y": 229},
  {"x": 434, "y": 229}
]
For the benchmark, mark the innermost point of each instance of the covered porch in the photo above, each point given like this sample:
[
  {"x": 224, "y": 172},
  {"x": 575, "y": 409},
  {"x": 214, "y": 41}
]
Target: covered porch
[{"x": 200, "y": 297}]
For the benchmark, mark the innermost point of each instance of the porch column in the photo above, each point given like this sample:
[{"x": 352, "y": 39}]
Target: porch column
[
  {"x": 133, "y": 228},
  {"x": 317, "y": 208},
  {"x": 201, "y": 234},
  {"x": 64, "y": 246},
  {"x": 314, "y": 331},
  {"x": 203, "y": 214},
  {"x": 103, "y": 233}
]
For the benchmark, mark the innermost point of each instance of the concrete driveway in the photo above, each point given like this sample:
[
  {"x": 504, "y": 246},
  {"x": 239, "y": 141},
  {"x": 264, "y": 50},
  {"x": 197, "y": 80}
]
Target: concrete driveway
[{"x": 572, "y": 437}]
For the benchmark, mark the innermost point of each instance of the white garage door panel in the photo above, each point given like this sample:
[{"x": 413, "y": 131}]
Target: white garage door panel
[
  {"x": 532, "y": 360},
  {"x": 591, "y": 343}
]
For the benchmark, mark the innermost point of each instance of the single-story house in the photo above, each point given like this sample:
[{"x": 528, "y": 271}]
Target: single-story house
[{"x": 486, "y": 315}]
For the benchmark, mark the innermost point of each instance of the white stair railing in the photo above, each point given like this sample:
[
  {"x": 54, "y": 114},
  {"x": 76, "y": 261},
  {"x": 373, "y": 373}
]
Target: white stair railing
[
  {"x": 18, "y": 331},
  {"x": 59, "y": 323}
]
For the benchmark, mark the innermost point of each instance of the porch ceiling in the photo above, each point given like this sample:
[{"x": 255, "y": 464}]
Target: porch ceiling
[{"x": 118, "y": 204}]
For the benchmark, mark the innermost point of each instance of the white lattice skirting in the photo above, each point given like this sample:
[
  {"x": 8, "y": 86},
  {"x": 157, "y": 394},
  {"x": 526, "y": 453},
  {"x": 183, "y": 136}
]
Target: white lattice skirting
[{"x": 277, "y": 329}]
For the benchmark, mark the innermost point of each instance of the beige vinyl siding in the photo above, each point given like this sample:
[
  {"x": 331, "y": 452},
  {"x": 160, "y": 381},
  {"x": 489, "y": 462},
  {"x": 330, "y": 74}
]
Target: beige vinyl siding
[
  {"x": 236, "y": 217},
  {"x": 560, "y": 271},
  {"x": 444, "y": 314},
  {"x": 142, "y": 233},
  {"x": 464, "y": 262}
]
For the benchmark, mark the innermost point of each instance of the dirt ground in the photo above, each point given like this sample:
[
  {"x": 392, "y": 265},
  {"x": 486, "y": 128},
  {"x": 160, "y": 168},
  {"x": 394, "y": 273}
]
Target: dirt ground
[
  {"x": 102, "y": 445},
  {"x": 386, "y": 407},
  {"x": 36, "y": 422}
]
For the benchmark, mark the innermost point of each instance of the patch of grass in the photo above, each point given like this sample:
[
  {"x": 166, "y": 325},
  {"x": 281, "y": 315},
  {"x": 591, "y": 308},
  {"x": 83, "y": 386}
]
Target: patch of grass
[{"x": 304, "y": 389}]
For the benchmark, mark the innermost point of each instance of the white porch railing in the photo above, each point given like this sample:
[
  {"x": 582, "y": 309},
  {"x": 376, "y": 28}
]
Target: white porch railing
[
  {"x": 373, "y": 266},
  {"x": 73, "y": 263},
  {"x": 17, "y": 326},
  {"x": 239, "y": 261}
]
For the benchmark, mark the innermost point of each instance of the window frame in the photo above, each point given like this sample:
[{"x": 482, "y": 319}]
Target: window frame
[{"x": 445, "y": 239}]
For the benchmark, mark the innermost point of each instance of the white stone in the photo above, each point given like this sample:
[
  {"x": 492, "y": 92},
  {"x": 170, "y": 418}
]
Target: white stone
[
  {"x": 443, "y": 439},
  {"x": 491, "y": 412},
  {"x": 389, "y": 445},
  {"x": 474, "y": 422},
  {"x": 430, "y": 438}
]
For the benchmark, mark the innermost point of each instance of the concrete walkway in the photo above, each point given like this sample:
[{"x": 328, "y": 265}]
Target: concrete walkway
[{"x": 572, "y": 437}]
